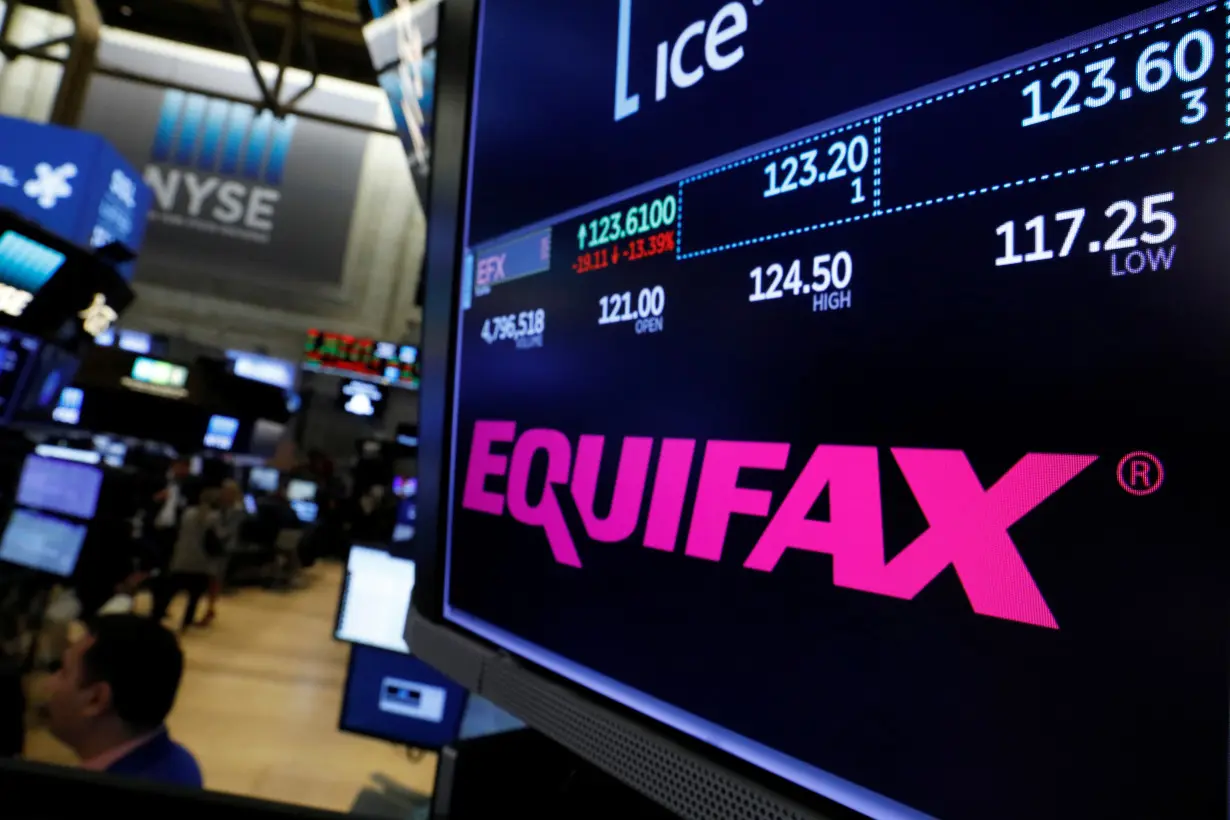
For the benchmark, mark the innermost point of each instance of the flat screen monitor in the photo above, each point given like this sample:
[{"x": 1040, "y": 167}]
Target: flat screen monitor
[
  {"x": 68, "y": 406},
  {"x": 375, "y": 598},
  {"x": 398, "y": 697},
  {"x": 305, "y": 511},
  {"x": 405, "y": 486},
  {"x": 135, "y": 341},
  {"x": 407, "y": 437},
  {"x": 59, "y": 486},
  {"x": 42, "y": 542},
  {"x": 298, "y": 489},
  {"x": 838, "y": 384},
  {"x": 220, "y": 432},
  {"x": 264, "y": 479},
  {"x": 265, "y": 369},
  {"x": 363, "y": 399},
  {"x": 158, "y": 373},
  {"x": 361, "y": 358},
  {"x": 17, "y": 353},
  {"x": 25, "y": 266}
]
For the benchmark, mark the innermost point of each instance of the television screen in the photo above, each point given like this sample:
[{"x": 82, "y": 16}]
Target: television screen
[
  {"x": 299, "y": 489},
  {"x": 265, "y": 369},
  {"x": 375, "y": 599},
  {"x": 397, "y": 697},
  {"x": 360, "y": 398},
  {"x": 42, "y": 542},
  {"x": 54, "y": 485},
  {"x": 405, "y": 486},
  {"x": 159, "y": 373},
  {"x": 407, "y": 437},
  {"x": 135, "y": 341},
  {"x": 17, "y": 351},
  {"x": 839, "y": 384},
  {"x": 68, "y": 406},
  {"x": 367, "y": 359},
  {"x": 264, "y": 479},
  {"x": 157, "y": 378},
  {"x": 220, "y": 432},
  {"x": 25, "y": 266},
  {"x": 305, "y": 511}
]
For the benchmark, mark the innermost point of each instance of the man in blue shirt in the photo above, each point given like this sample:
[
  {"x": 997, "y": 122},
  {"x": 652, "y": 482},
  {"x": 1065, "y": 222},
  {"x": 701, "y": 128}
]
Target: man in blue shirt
[{"x": 111, "y": 695}]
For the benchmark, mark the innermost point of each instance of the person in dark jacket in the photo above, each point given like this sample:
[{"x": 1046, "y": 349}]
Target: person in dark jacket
[{"x": 110, "y": 698}]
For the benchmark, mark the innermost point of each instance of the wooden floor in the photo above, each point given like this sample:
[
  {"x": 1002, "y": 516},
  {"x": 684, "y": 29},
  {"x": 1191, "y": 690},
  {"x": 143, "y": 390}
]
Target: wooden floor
[{"x": 260, "y": 699}]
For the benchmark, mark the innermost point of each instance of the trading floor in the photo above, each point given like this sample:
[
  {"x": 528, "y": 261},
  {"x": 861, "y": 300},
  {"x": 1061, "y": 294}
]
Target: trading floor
[{"x": 260, "y": 698}]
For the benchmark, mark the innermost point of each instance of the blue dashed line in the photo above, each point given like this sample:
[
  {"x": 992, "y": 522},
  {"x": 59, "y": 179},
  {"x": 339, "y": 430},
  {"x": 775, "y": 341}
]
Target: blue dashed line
[
  {"x": 934, "y": 201},
  {"x": 875, "y": 174},
  {"x": 956, "y": 92},
  {"x": 679, "y": 225}
]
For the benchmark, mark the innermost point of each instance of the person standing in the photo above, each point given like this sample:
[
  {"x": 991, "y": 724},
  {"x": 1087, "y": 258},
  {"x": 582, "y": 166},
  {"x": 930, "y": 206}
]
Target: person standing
[
  {"x": 191, "y": 564},
  {"x": 230, "y": 516},
  {"x": 110, "y": 698},
  {"x": 169, "y": 503}
]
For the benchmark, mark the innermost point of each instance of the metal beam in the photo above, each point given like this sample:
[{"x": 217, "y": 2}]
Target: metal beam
[
  {"x": 247, "y": 47},
  {"x": 12, "y": 51},
  {"x": 160, "y": 82},
  {"x": 79, "y": 67},
  {"x": 287, "y": 51}
]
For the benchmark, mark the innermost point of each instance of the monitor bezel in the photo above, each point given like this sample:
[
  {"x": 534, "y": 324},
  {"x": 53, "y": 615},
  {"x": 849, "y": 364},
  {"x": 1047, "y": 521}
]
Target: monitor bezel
[
  {"x": 390, "y": 738},
  {"x": 388, "y": 550}
]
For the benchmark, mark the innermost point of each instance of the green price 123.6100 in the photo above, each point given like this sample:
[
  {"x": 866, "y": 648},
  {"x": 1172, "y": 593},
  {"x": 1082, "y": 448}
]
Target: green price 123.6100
[{"x": 636, "y": 220}]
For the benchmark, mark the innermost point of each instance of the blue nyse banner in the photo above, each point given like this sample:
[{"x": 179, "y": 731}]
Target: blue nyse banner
[{"x": 72, "y": 183}]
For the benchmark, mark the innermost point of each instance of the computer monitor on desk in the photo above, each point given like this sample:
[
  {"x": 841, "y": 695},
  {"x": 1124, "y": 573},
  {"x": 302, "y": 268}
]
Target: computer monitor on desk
[
  {"x": 375, "y": 598},
  {"x": 396, "y": 696}
]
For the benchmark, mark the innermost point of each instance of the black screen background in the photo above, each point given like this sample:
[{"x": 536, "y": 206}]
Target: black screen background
[
  {"x": 1122, "y": 712},
  {"x": 545, "y": 136}
]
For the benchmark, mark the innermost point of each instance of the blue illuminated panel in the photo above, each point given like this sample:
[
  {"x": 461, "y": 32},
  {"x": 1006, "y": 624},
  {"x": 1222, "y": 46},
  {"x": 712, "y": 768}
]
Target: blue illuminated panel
[{"x": 26, "y": 264}]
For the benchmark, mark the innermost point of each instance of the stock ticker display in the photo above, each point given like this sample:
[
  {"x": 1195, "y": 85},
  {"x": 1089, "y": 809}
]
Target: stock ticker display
[
  {"x": 344, "y": 355},
  {"x": 845, "y": 387}
]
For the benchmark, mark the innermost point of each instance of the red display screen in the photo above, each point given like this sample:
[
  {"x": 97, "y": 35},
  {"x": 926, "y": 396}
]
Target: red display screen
[{"x": 378, "y": 361}]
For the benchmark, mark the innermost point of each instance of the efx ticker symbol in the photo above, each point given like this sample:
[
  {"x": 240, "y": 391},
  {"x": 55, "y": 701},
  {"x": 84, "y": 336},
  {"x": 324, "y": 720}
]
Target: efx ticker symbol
[{"x": 222, "y": 137}]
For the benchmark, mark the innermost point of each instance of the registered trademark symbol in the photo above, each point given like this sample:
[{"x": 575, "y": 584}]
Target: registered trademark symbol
[{"x": 1141, "y": 473}]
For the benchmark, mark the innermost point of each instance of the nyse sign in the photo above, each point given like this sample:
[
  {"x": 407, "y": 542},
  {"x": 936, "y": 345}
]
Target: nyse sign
[
  {"x": 212, "y": 203},
  {"x": 216, "y": 166}
]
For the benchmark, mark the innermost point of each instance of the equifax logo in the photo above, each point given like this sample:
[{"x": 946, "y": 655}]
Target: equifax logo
[
  {"x": 968, "y": 523},
  {"x": 218, "y": 161}
]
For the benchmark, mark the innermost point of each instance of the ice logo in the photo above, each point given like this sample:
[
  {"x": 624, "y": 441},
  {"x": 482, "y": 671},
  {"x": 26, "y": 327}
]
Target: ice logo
[
  {"x": 50, "y": 185},
  {"x": 968, "y": 523}
]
